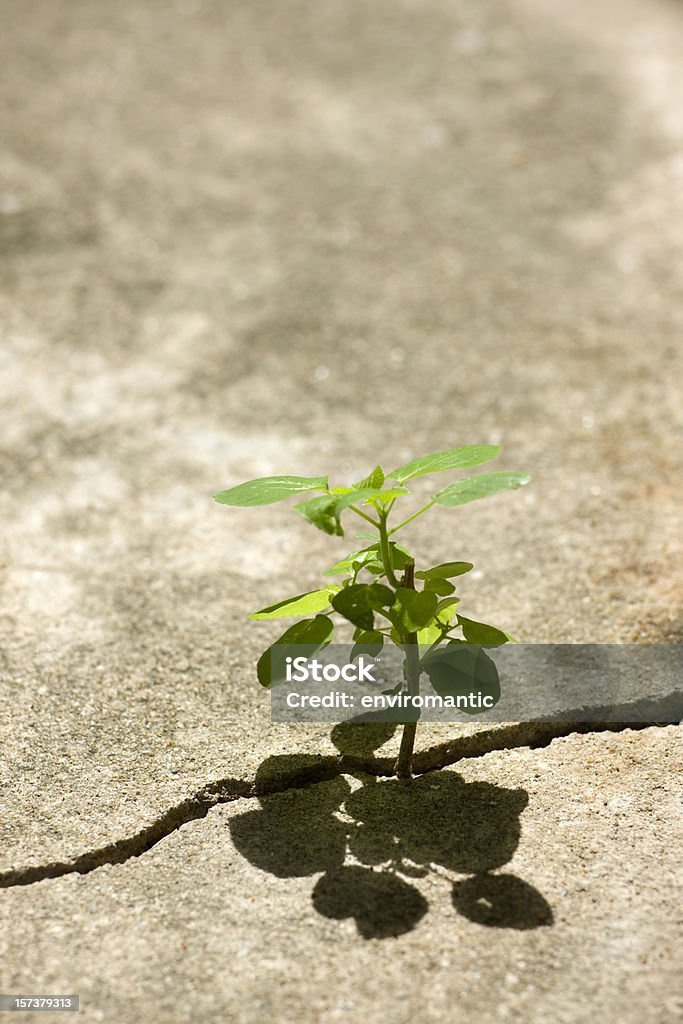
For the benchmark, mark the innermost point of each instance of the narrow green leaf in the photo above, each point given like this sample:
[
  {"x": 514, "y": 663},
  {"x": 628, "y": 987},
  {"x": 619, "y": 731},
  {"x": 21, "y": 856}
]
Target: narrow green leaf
[
  {"x": 304, "y": 604},
  {"x": 454, "y": 458},
  {"x": 414, "y": 609},
  {"x": 481, "y": 633},
  {"x": 313, "y": 634},
  {"x": 473, "y": 487},
  {"x": 447, "y": 570},
  {"x": 357, "y": 603},
  {"x": 269, "y": 489}
]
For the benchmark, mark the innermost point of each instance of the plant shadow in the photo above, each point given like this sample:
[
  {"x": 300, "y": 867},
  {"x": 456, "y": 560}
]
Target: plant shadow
[{"x": 392, "y": 831}]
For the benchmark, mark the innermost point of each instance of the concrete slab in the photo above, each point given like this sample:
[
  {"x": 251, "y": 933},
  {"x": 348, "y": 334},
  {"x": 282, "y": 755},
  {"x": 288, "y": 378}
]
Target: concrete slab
[
  {"x": 248, "y": 239},
  {"x": 527, "y": 885}
]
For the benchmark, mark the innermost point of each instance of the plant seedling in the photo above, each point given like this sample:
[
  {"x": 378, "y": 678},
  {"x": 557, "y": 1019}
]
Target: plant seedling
[{"x": 380, "y": 592}]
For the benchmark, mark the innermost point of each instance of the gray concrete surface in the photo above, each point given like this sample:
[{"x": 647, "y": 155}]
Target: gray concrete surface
[
  {"x": 545, "y": 887},
  {"x": 242, "y": 239}
]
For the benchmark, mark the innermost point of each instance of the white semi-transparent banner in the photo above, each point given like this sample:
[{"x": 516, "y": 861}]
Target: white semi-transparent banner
[{"x": 512, "y": 683}]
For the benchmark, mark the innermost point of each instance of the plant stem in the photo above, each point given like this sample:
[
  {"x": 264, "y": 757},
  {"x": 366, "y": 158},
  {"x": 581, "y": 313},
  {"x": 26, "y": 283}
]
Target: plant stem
[
  {"x": 386, "y": 551},
  {"x": 410, "y": 518},
  {"x": 404, "y": 762},
  {"x": 369, "y": 519}
]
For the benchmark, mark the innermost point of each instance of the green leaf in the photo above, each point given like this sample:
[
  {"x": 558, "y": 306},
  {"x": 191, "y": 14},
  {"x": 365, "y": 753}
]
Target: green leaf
[
  {"x": 414, "y": 609},
  {"x": 375, "y": 567},
  {"x": 445, "y": 613},
  {"x": 357, "y": 602},
  {"x": 445, "y": 571},
  {"x": 399, "y": 555},
  {"x": 429, "y": 634},
  {"x": 269, "y": 489},
  {"x": 454, "y": 458},
  {"x": 373, "y": 479},
  {"x": 322, "y": 512},
  {"x": 314, "y": 634},
  {"x": 304, "y": 604},
  {"x": 368, "y": 642},
  {"x": 446, "y": 608},
  {"x": 441, "y": 587},
  {"x": 325, "y": 511},
  {"x": 370, "y": 559},
  {"x": 346, "y": 564},
  {"x": 457, "y": 670},
  {"x": 386, "y": 494},
  {"x": 473, "y": 487},
  {"x": 481, "y": 633}
]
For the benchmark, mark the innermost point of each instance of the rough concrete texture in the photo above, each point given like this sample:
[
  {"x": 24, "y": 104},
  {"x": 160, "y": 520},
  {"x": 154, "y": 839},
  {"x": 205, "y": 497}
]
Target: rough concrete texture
[
  {"x": 252, "y": 238},
  {"x": 530, "y": 886}
]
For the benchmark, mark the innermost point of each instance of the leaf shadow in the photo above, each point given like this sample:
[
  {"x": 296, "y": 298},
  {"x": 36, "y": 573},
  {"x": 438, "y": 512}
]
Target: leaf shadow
[{"x": 367, "y": 843}]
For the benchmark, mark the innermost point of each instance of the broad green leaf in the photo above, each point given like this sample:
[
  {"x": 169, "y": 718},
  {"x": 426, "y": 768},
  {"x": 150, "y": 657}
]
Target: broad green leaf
[
  {"x": 454, "y": 458},
  {"x": 373, "y": 479},
  {"x": 457, "y": 670},
  {"x": 322, "y": 512},
  {"x": 304, "y": 604},
  {"x": 414, "y": 609},
  {"x": 357, "y": 603},
  {"x": 269, "y": 489},
  {"x": 314, "y": 634},
  {"x": 473, "y": 487},
  {"x": 368, "y": 642},
  {"x": 441, "y": 587},
  {"x": 481, "y": 633},
  {"x": 447, "y": 570}
]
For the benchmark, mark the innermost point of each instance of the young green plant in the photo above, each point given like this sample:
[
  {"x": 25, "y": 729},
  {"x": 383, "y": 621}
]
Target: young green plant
[{"x": 380, "y": 592}]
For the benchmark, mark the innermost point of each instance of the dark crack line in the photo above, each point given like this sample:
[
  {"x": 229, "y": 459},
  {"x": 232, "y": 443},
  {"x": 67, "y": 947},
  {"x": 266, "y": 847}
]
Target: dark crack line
[{"x": 534, "y": 735}]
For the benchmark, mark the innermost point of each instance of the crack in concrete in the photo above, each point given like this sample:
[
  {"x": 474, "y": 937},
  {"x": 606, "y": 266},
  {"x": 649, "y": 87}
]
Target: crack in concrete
[{"x": 327, "y": 767}]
